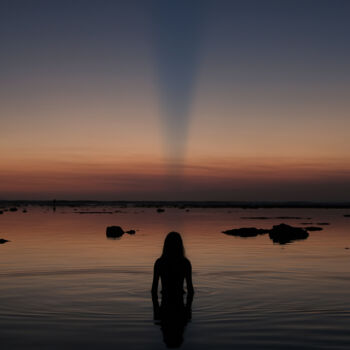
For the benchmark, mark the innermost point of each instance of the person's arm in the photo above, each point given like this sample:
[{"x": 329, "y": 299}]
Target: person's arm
[
  {"x": 190, "y": 291},
  {"x": 189, "y": 284},
  {"x": 156, "y": 307},
  {"x": 155, "y": 280}
]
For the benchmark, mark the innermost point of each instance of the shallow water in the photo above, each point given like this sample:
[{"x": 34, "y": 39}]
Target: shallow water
[{"x": 64, "y": 285}]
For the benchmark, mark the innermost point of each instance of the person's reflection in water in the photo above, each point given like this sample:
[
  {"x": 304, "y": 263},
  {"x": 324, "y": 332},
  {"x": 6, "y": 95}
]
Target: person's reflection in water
[{"x": 173, "y": 268}]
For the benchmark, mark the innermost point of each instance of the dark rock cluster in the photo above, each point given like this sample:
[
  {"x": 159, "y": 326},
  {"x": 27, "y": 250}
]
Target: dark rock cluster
[
  {"x": 246, "y": 232},
  {"x": 281, "y": 233},
  {"x": 116, "y": 232}
]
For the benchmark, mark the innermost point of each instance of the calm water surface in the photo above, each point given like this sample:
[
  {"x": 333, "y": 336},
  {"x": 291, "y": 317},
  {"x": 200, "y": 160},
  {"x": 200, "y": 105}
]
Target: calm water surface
[{"x": 64, "y": 285}]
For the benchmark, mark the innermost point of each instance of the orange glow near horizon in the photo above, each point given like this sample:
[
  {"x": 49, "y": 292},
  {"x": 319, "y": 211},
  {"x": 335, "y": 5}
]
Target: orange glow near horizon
[{"x": 145, "y": 177}]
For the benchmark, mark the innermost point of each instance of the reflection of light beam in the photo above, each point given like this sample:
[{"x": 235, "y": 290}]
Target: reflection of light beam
[{"x": 176, "y": 46}]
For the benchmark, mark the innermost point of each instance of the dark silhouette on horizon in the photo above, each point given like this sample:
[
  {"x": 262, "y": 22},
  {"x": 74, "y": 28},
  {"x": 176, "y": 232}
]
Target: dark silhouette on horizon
[{"x": 172, "y": 268}]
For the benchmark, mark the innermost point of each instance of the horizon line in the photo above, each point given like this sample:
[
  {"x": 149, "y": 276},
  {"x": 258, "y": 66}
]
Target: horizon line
[{"x": 193, "y": 203}]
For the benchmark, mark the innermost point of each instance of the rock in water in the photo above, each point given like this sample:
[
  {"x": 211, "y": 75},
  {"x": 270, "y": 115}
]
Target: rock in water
[
  {"x": 246, "y": 232},
  {"x": 283, "y": 234},
  {"x": 13, "y": 209},
  {"x": 313, "y": 228},
  {"x": 2, "y": 241},
  {"x": 160, "y": 210},
  {"x": 114, "y": 231},
  {"x": 131, "y": 232},
  {"x": 255, "y": 217}
]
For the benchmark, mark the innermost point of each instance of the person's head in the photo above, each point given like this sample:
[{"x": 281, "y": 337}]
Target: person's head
[{"x": 173, "y": 246}]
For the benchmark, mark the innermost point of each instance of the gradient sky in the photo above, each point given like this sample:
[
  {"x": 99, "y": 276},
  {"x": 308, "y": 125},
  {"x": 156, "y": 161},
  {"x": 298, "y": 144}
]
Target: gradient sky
[{"x": 174, "y": 100}]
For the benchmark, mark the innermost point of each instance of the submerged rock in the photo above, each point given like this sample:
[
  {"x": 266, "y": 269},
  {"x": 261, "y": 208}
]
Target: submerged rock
[
  {"x": 255, "y": 217},
  {"x": 2, "y": 241},
  {"x": 131, "y": 232},
  {"x": 13, "y": 209},
  {"x": 274, "y": 217},
  {"x": 114, "y": 231},
  {"x": 92, "y": 212},
  {"x": 323, "y": 223},
  {"x": 291, "y": 217},
  {"x": 246, "y": 232},
  {"x": 347, "y": 215},
  {"x": 313, "y": 228},
  {"x": 1, "y": 212},
  {"x": 283, "y": 234},
  {"x": 160, "y": 210}
]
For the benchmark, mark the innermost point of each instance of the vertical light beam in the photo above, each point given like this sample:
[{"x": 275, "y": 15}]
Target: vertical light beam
[{"x": 176, "y": 41}]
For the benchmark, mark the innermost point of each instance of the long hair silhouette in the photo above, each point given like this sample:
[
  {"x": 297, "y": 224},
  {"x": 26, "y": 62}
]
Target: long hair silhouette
[{"x": 173, "y": 246}]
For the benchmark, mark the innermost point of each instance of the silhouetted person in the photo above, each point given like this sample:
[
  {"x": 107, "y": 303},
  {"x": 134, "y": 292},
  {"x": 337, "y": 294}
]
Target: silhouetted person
[{"x": 172, "y": 268}]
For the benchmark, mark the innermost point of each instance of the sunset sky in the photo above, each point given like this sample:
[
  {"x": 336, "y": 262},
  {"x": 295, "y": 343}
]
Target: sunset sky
[{"x": 175, "y": 100}]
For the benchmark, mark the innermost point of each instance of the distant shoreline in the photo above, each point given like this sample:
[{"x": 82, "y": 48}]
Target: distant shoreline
[{"x": 181, "y": 204}]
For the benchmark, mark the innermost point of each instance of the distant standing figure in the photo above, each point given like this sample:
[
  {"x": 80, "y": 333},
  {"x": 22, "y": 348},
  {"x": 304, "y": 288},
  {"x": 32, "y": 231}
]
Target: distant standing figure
[{"x": 172, "y": 268}]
